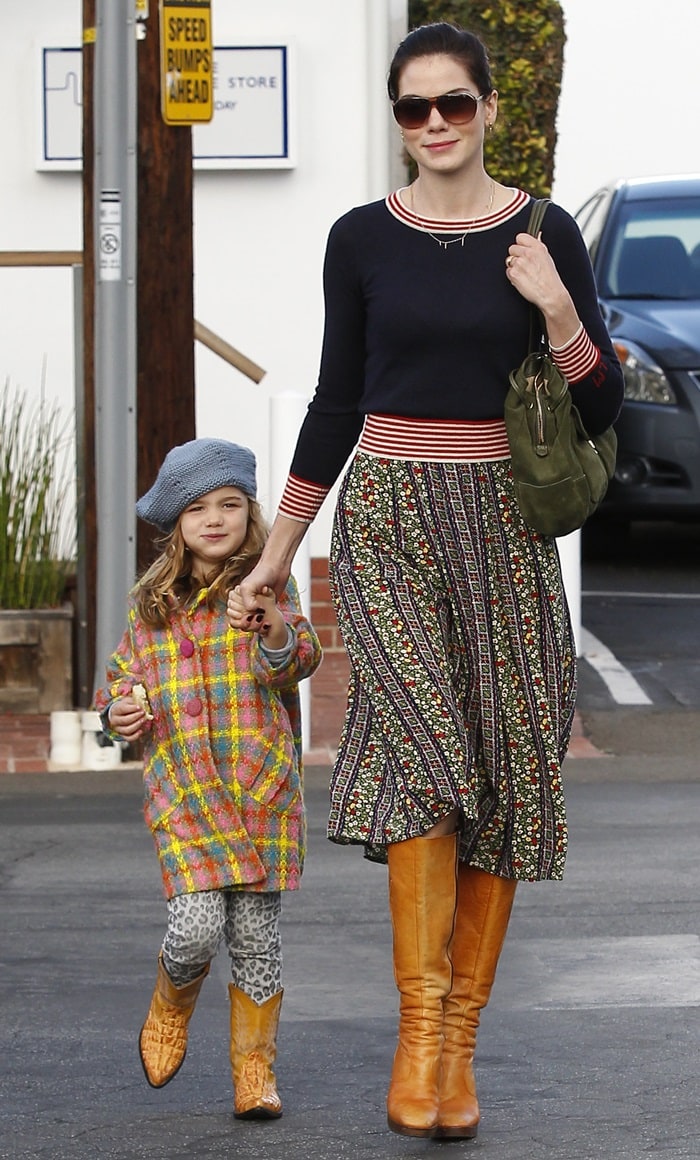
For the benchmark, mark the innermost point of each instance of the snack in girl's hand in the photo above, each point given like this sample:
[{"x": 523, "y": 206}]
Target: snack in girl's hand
[{"x": 141, "y": 697}]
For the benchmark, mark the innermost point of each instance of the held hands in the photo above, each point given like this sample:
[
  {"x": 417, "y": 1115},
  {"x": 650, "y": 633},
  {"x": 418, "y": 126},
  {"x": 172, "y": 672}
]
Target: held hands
[
  {"x": 128, "y": 719},
  {"x": 265, "y": 617},
  {"x": 263, "y": 576},
  {"x": 273, "y": 569}
]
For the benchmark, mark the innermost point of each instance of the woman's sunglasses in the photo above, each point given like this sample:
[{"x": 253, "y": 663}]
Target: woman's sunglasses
[{"x": 457, "y": 108}]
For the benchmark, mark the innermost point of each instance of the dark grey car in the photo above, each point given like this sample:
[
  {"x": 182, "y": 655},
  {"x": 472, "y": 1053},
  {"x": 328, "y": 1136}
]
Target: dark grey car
[{"x": 643, "y": 235}]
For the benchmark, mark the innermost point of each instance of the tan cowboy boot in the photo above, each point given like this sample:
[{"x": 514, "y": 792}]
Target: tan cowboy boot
[
  {"x": 163, "y": 1038},
  {"x": 253, "y": 1052},
  {"x": 422, "y": 886},
  {"x": 483, "y": 910}
]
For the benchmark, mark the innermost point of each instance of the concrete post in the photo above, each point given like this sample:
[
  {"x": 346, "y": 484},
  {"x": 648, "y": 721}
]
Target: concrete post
[
  {"x": 570, "y": 556},
  {"x": 287, "y": 412}
]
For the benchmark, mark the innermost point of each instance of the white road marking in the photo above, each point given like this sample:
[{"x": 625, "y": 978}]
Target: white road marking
[
  {"x": 644, "y": 595},
  {"x": 622, "y": 685},
  {"x": 627, "y": 971}
]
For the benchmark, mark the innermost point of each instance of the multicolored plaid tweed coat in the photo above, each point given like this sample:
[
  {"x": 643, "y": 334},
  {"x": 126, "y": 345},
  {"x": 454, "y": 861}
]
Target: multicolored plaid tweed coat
[{"x": 222, "y": 761}]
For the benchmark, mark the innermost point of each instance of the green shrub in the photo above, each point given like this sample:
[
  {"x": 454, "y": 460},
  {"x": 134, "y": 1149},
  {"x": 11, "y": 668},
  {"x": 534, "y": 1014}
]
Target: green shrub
[
  {"x": 34, "y": 475},
  {"x": 525, "y": 42}
]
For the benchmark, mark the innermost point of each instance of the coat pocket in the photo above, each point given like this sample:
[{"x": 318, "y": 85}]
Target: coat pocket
[
  {"x": 271, "y": 777},
  {"x": 162, "y": 795}
]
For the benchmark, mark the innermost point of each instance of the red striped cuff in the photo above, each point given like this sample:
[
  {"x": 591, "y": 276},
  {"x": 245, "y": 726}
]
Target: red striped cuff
[
  {"x": 577, "y": 357},
  {"x": 301, "y": 500}
]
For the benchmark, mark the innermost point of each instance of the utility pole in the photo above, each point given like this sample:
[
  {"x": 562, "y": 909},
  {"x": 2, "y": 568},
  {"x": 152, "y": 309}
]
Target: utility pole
[
  {"x": 165, "y": 377},
  {"x": 163, "y": 313}
]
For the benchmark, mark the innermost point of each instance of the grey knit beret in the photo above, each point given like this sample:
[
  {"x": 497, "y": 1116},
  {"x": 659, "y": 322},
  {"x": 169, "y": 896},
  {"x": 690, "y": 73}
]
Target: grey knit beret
[{"x": 191, "y": 470}]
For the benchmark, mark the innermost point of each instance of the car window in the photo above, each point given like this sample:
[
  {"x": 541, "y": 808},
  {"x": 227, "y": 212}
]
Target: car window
[
  {"x": 654, "y": 250},
  {"x": 591, "y": 217}
]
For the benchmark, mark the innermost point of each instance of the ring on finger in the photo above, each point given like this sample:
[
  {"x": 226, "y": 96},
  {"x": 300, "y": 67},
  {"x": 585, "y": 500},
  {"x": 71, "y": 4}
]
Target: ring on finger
[{"x": 509, "y": 260}]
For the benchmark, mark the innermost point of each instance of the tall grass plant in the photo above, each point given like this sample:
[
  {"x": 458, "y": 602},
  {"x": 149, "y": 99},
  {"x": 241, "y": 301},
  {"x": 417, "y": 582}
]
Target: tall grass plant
[{"x": 35, "y": 474}]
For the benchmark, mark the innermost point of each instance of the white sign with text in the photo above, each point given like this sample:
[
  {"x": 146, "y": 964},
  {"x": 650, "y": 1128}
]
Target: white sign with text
[{"x": 251, "y": 127}]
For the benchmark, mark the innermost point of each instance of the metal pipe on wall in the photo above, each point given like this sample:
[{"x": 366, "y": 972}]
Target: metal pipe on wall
[
  {"x": 386, "y": 24},
  {"x": 115, "y": 195}
]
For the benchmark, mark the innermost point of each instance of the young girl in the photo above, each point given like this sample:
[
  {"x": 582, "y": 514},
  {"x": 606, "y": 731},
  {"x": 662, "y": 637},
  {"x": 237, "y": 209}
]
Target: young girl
[{"x": 212, "y": 690}]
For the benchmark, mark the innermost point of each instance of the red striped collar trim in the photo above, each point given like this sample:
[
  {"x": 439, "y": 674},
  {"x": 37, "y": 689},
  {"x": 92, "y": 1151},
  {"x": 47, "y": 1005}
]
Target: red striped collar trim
[{"x": 437, "y": 226}]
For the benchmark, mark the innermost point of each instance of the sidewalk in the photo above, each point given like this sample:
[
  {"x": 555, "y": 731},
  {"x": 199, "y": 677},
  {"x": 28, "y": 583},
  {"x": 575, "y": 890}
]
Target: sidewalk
[{"x": 25, "y": 744}]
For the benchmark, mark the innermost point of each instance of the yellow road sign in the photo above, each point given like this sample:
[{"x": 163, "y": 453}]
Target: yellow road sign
[{"x": 186, "y": 62}]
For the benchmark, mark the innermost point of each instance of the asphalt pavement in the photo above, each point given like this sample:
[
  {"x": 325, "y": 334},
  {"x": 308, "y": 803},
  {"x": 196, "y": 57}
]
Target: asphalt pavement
[{"x": 589, "y": 1049}]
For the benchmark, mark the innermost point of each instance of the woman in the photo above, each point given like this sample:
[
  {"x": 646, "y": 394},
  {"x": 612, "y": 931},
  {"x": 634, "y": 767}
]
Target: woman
[{"x": 452, "y": 610}]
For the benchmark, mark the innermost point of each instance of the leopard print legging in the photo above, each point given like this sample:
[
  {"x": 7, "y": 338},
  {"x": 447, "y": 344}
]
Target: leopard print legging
[{"x": 249, "y": 923}]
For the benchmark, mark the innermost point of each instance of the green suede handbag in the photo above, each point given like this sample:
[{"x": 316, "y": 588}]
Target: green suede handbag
[{"x": 561, "y": 473}]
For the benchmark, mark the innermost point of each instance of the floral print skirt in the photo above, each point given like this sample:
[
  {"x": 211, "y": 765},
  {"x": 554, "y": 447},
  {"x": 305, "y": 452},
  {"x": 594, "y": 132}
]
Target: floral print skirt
[{"x": 463, "y": 671}]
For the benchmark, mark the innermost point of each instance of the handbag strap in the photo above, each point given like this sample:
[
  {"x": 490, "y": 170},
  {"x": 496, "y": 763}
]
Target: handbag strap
[
  {"x": 538, "y": 330},
  {"x": 539, "y": 209}
]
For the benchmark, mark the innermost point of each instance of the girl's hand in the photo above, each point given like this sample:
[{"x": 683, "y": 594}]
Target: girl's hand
[
  {"x": 265, "y": 618},
  {"x": 128, "y": 719}
]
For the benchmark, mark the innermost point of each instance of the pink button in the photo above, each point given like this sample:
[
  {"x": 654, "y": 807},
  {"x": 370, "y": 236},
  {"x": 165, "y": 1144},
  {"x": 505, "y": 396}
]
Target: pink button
[
  {"x": 193, "y": 707},
  {"x": 186, "y": 647}
]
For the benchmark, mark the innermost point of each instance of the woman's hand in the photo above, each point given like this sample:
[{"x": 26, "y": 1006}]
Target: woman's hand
[
  {"x": 274, "y": 567},
  {"x": 531, "y": 270},
  {"x": 263, "y": 576},
  {"x": 128, "y": 719},
  {"x": 266, "y": 619}
]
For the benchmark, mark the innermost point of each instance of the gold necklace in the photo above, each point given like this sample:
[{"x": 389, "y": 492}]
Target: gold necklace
[{"x": 460, "y": 238}]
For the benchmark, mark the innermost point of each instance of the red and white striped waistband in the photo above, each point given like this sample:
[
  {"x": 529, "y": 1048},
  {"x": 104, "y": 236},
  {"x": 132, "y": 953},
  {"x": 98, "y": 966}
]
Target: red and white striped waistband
[{"x": 434, "y": 440}]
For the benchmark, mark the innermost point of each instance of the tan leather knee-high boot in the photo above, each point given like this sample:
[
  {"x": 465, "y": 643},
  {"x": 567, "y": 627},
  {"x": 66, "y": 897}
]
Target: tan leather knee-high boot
[
  {"x": 163, "y": 1038},
  {"x": 253, "y": 1052},
  {"x": 422, "y": 888},
  {"x": 483, "y": 910}
]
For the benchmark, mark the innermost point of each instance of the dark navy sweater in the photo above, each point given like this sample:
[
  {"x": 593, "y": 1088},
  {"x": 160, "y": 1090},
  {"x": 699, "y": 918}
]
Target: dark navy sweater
[{"x": 418, "y": 330}]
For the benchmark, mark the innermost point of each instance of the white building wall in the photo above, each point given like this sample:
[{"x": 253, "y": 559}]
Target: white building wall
[
  {"x": 260, "y": 236},
  {"x": 630, "y": 103}
]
